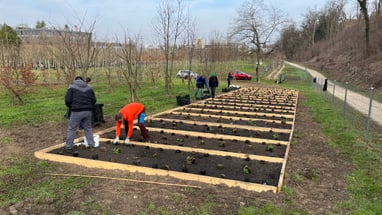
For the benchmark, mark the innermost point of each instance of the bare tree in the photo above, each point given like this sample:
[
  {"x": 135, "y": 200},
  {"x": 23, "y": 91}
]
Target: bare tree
[
  {"x": 255, "y": 24},
  {"x": 75, "y": 48},
  {"x": 290, "y": 41},
  {"x": 375, "y": 6},
  {"x": 332, "y": 17},
  {"x": 190, "y": 39},
  {"x": 108, "y": 59},
  {"x": 365, "y": 14},
  {"x": 130, "y": 53},
  {"x": 171, "y": 23}
]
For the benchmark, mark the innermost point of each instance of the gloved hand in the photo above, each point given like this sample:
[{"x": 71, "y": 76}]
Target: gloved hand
[
  {"x": 127, "y": 141},
  {"x": 116, "y": 140}
]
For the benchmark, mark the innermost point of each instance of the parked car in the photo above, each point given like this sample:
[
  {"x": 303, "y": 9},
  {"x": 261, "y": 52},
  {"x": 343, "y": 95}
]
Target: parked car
[
  {"x": 185, "y": 73},
  {"x": 239, "y": 75}
]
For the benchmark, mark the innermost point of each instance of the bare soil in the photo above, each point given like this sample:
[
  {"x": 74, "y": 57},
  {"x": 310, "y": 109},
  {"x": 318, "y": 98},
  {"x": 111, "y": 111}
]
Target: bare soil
[
  {"x": 151, "y": 156},
  {"x": 315, "y": 172}
]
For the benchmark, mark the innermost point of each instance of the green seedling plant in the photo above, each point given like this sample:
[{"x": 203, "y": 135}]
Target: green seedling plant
[
  {"x": 221, "y": 144},
  {"x": 116, "y": 150},
  {"x": 246, "y": 170},
  {"x": 190, "y": 160},
  {"x": 270, "y": 147},
  {"x": 210, "y": 128},
  {"x": 283, "y": 120},
  {"x": 276, "y": 136}
]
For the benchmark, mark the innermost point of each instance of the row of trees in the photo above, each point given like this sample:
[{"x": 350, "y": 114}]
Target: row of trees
[{"x": 75, "y": 53}]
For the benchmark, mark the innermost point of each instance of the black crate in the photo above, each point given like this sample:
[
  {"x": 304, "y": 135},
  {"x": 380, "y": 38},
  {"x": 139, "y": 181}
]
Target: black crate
[
  {"x": 97, "y": 115},
  {"x": 183, "y": 100}
]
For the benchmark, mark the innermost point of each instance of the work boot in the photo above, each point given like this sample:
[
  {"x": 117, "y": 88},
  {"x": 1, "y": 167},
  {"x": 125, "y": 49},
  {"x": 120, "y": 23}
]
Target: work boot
[
  {"x": 90, "y": 148},
  {"x": 71, "y": 152}
]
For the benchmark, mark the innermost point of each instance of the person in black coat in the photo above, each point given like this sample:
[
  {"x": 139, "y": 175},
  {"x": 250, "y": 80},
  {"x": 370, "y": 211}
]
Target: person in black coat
[
  {"x": 80, "y": 99},
  {"x": 213, "y": 82},
  {"x": 229, "y": 78}
]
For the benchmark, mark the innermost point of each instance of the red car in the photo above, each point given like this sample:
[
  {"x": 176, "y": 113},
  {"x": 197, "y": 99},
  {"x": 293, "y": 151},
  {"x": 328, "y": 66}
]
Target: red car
[{"x": 239, "y": 75}]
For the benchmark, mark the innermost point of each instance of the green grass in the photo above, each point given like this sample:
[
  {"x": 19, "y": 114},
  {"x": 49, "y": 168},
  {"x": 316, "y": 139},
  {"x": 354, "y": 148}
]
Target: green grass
[
  {"x": 364, "y": 184},
  {"x": 46, "y": 104},
  {"x": 18, "y": 182}
]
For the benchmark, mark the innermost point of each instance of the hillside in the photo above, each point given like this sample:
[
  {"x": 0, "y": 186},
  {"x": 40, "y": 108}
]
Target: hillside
[{"x": 343, "y": 57}]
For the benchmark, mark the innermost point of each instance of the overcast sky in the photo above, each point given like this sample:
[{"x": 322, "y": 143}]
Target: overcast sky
[{"x": 114, "y": 17}]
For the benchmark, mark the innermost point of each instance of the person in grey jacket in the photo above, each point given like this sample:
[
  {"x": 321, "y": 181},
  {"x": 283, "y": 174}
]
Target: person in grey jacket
[{"x": 80, "y": 99}]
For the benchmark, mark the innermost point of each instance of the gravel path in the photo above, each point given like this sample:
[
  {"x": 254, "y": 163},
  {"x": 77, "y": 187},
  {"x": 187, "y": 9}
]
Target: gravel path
[{"x": 356, "y": 100}]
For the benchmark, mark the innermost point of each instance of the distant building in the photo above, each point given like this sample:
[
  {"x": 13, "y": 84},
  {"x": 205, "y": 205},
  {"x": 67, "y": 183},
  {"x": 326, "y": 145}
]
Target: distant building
[
  {"x": 43, "y": 35},
  {"x": 200, "y": 43}
]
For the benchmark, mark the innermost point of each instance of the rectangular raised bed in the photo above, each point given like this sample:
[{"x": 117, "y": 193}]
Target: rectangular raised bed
[{"x": 208, "y": 108}]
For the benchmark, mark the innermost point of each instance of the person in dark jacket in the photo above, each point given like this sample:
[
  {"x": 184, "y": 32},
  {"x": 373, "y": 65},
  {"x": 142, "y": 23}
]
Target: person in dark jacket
[
  {"x": 213, "y": 83},
  {"x": 229, "y": 78},
  {"x": 80, "y": 99},
  {"x": 201, "y": 82}
]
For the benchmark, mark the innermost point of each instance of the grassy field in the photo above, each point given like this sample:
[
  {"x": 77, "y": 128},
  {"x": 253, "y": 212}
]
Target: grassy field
[{"x": 46, "y": 104}]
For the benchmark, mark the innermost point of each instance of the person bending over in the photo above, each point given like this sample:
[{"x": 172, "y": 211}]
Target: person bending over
[{"x": 126, "y": 116}]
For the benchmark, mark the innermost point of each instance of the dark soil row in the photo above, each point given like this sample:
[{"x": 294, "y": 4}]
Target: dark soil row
[
  {"x": 236, "y": 114},
  {"x": 240, "y": 132},
  {"x": 188, "y": 162},
  {"x": 201, "y": 142},
  {"x": 241, "y": 107},
  {"x": 259, "y": 101},
  {"x": 258, "y": 123}
]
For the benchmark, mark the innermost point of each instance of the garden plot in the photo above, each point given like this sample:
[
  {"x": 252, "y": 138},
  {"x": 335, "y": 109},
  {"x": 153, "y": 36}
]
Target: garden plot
[{"x": 239, "y": 139}]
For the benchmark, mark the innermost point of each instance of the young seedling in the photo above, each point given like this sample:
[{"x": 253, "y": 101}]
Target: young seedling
[
  {"x": 221, "y": 144},
  {"x": 190, "y": 160},
  {"x": 276, "y": 136},
  {"x": 283, "y": 120},
  {"x": 116, "y": 151},
  {"x": 246, "y": 170},
  {"x": 270, "y": 147}
]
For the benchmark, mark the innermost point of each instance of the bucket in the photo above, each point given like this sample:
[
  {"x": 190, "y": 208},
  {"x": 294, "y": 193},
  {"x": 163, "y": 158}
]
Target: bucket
[{"x": 96, "y": 140}]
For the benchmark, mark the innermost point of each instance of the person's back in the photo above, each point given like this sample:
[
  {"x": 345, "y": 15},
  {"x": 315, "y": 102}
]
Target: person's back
[
  {"x": 213, "y": 81},
  {"x": 80, "y": 99},
  {"x": 199, "y": 80},
  {"x": 80, "y": 96},
  {"x": 200, "y": 83},
  {"x": 130, "y": 111}
]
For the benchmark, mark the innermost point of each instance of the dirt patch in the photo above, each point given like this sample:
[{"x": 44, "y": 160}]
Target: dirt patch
[{"x": 322, "y": 184}]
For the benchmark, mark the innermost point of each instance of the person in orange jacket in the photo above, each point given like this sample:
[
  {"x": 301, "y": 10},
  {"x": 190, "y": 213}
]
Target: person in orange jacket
[{"x": 126, "y": 116}]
